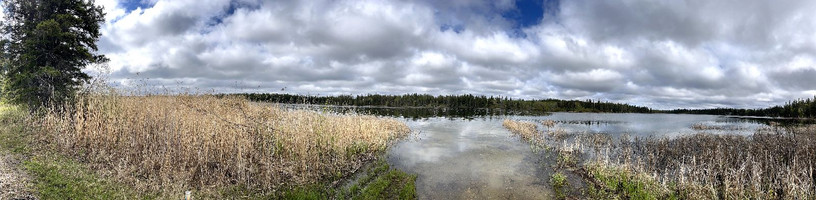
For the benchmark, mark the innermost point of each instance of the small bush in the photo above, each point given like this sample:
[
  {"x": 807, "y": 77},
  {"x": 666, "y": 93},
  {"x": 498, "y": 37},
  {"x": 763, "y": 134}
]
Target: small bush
[{"x": 559, "y": 183}]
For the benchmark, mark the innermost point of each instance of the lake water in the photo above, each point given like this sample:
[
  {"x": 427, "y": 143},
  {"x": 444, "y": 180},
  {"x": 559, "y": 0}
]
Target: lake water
[
  {"x": 477, "y": 158},
  {"x": 648, "y": 125},
  {"x": 470, "y": 159}
]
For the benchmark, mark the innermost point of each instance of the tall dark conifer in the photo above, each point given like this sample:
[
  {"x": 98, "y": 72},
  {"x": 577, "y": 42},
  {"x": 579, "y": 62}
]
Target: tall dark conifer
[{"x": 46, "y": 44}]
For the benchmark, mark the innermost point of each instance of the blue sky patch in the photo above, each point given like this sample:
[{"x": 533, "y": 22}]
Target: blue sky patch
[
  {"x": 527, "y": 13},
  {"x": 131, "y": 5},
  {"x": 530, "y": 13}
]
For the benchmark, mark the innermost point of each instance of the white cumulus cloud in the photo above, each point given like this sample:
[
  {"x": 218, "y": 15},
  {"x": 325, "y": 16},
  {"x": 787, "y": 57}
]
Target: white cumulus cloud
[{"x": 696, "y": 54}]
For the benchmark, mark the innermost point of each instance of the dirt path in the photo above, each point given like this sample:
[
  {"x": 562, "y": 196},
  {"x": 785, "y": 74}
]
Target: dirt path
[{"x": 14, "y": 182}]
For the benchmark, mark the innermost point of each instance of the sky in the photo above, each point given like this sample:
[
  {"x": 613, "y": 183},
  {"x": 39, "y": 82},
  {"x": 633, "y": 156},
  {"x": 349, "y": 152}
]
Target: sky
[{"x": 660, "y": 54}]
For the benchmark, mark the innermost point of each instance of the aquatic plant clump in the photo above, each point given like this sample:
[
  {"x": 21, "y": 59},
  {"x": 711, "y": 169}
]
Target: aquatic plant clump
[
  {"x": 765, "y": 165},
  {"x": 773, "y": 163},
  {"x": 200, "y": 142},
  {"x": 527, "y": 130}
]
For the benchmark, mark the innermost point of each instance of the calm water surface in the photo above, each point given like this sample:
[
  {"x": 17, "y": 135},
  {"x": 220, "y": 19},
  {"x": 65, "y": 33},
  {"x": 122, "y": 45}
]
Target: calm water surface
[
  {"x": 470, "y": 159},
  {"x": 647, "y": 125},
  {"x": 480, "y": 159}
]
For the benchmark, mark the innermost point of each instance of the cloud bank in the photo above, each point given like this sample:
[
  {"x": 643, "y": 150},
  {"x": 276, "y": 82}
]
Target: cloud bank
[{"x": 689, "y": 54}]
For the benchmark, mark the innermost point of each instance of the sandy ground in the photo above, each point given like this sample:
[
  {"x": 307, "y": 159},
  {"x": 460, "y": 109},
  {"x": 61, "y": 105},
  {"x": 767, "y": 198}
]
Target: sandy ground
[{"x": 14, "y": 182}]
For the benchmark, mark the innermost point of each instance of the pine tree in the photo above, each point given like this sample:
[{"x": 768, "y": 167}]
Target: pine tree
[{"x": 46, "y": 44}]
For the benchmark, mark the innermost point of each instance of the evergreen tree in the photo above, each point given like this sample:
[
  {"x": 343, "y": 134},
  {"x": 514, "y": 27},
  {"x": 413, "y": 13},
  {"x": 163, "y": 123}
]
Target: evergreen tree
[{"x": 46, "y": 44}]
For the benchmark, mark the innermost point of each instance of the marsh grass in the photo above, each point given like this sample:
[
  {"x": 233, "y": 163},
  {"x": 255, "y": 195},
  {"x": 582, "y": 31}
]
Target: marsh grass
[
  {"x": 702, "y": 127},
  {"x": 206, "y": 143},
  {"x": 380, "y": 182},
  {"x": 526, "y": 130},
  {"x": 773, "y": 163},
  {"x": 765, "y": 165}
]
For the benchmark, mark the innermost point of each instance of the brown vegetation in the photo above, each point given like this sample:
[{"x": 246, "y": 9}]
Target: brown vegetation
[
  {"x": 702, "y": 127},
  {"x": 527, "y": 130},
  {"x": 548, "y": 123},
  {"x": 762, "y": 166},
  {"x": 200, "y": 142},
  {"x": 773, "y": 163}
]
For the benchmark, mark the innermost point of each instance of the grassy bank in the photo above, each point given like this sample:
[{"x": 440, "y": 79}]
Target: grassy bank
[
  {"x": 773, "y": 163},
  {"x": 161, "y": 146},
  {"x": 40, "y": 172}
]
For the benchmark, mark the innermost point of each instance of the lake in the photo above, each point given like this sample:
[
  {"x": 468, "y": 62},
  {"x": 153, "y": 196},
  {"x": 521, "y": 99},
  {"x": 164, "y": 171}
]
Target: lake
[{"x": 475, "y": 157}]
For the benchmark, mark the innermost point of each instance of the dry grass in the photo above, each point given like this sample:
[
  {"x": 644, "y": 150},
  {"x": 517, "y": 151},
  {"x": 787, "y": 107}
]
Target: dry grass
[
  {"x": 548, "y": 123},
  {"x": 763, "y": 166},
  {"x": 527, "y": 130},
  {"x": 199, "y": 142},
  {"x": 702, "y": 127},
  {"x": 773, "y": 163}
]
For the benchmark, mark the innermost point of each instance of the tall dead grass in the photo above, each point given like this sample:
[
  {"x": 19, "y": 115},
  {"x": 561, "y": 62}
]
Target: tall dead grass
[
  {"x": 777, "y": 165},
  {"x": 773, "y": 163},
  {"x": 527, "y": 130},
  {"x": 201, "y": 142}
]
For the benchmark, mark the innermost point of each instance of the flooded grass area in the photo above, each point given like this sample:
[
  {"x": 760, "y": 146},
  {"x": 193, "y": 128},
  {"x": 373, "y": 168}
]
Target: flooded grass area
[
  {"x": 471, "y": 159},
  {"x": 771, "y": 162},
  {"x": 592, "y": 155}
]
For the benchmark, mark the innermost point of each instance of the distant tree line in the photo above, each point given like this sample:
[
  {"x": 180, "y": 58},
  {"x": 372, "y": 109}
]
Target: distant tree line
[
  {"x": 801, "y": 108},
  {"x": 466, "y": 101}
]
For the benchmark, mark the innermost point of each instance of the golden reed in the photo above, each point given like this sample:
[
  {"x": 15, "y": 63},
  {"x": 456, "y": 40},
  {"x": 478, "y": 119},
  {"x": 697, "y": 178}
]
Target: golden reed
[{"x": 161, "y": 143}]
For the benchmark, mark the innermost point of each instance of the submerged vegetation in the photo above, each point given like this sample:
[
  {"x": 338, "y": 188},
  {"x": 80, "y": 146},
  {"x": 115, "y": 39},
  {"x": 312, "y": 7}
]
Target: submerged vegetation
[
  {"x": 380, "y": 182},
  {"x": 212, "y": 146},
  {"x": 773, "y": 163}
]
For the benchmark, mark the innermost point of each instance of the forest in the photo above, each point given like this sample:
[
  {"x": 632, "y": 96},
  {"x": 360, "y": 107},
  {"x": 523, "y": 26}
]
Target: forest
[
  {"x": 466, "y": 101},
  {"x": 800, "y": 108}
]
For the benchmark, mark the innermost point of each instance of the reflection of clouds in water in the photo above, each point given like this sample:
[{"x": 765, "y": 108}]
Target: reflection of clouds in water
[
  {"x": 462, "y": 144},
  {"x": 410, "y": 155},
  {"x": 433, "y": 146},
  {"x": 480, "y": 159},
  {"x": 476, "y": 158}
]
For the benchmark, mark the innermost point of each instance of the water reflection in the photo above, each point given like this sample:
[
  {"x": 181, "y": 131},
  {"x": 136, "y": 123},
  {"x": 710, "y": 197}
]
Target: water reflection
[
  {"x": 456, "y": 158},
  {"x": 461, "y": 159},
  {"x": 469, "y": 155},
  {"x": 416, "y": 113},
  {"x": 646, "y": 125}
]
